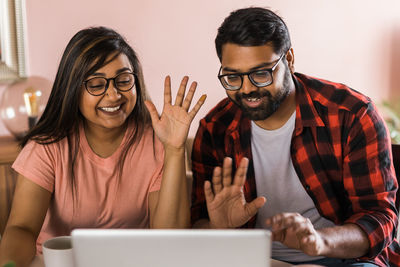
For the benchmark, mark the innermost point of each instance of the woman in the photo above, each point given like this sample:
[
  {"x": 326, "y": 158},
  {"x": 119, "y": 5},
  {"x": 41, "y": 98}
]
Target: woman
[{"x": 93, "y": 161}]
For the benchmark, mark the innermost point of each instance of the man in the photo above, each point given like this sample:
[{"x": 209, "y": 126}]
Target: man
[{"x": 310, "y": 158}]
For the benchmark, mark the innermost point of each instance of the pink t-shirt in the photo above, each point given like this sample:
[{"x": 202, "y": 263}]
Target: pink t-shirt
[{"x": 102, "y": 202}]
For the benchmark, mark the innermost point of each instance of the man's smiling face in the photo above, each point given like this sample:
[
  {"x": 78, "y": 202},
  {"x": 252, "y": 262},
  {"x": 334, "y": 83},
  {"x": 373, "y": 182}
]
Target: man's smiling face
[{"x": 257, "y": 103}]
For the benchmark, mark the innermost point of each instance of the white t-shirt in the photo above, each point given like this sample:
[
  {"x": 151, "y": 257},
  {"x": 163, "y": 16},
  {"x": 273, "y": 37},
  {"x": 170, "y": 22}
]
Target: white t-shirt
[{"x": 278, "y": 182}]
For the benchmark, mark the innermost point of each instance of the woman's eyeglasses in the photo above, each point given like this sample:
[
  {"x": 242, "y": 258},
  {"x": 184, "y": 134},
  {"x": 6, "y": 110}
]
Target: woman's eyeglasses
[{"x": 98, "y": 85}]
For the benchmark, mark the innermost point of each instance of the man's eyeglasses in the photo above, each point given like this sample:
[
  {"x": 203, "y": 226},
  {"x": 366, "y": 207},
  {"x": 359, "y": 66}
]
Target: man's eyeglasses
[
  {"x": 123, "y": 82},
  {"x": 260, "y": 78}
]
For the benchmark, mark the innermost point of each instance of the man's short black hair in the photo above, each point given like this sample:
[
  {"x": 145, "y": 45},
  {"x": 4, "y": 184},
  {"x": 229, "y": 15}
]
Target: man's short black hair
[{"x": 253, "y": 26}]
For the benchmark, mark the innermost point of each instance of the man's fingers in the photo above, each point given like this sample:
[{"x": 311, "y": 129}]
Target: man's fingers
[
  {"x": 240, "y": 175},
  {"x": 216, "y": 180},
  {"x": 253, "y": 207},
  {"x": 308, "y": 239},
  {"x": 294, "y": 221},
  {"x": 227, "y": 172},
  {"x": 208, "y": 192},
  {"x": 311, "y": 244}
]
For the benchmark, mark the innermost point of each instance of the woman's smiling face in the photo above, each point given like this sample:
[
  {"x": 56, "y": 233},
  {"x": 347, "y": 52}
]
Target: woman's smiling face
[{"x": 110, "y": 110}]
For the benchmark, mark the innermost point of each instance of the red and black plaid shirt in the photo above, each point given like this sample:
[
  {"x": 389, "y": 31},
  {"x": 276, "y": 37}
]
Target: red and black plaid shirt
[{"x": 340, "y": 150}]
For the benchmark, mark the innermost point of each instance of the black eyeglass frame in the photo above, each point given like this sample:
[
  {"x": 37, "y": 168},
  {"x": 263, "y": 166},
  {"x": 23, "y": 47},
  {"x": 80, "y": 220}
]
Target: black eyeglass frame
[
  {"x": 270, "y": 70},
  {"x": 108, "y": 83}
]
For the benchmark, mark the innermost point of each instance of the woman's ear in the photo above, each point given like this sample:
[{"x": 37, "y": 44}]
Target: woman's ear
[{"x": 290, "y": 59}]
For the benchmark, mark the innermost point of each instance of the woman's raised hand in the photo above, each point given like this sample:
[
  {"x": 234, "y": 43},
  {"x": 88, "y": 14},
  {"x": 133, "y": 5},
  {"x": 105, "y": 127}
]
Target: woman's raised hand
[{"x": 172, "y": 126}]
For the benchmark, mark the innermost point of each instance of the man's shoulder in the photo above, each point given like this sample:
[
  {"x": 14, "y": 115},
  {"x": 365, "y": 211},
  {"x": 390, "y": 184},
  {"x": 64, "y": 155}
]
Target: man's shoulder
[{"x": 332, "y": 94}]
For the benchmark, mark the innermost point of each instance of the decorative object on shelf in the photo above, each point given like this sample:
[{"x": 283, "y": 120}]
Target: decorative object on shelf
[
  {"x": 9, "y": 264},
  {"x": 22, "y": 103},
  {"x": 31, "y": 99},
  {"x": 391, "y": 114}
]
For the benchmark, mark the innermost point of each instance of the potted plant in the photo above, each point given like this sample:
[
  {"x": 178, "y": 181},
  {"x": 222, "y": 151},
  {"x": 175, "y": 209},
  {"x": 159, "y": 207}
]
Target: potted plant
[{"x": 391, "y": 114}]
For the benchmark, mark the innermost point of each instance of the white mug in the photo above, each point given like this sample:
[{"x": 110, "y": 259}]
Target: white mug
[{"x": 57, "y": 252}]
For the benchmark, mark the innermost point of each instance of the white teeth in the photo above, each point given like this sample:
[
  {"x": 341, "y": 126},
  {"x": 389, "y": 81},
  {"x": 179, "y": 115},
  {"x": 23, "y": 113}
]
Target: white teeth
[
  {"x": 252, "y": 99},
  {"x": 110, "y": 109}
]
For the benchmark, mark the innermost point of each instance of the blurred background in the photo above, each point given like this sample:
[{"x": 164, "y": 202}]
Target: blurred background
[{"x": 355, "y": 42}]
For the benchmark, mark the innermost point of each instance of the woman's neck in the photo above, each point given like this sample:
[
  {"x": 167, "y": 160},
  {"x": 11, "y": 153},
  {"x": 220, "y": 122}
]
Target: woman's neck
[{"x": 104, "y": 142}]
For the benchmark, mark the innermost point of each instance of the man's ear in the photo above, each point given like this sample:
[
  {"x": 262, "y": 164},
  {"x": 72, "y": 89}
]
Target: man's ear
[{"x": 290, "y": 60}]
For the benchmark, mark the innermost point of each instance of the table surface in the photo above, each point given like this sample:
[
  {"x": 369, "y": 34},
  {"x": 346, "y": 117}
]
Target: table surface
[{"x": 38, "y": 262}]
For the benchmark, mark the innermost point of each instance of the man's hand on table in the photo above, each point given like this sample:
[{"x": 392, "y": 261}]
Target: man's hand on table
[
  {"x": 296, "y": 231},
  {"x": 347, "y": 241}
]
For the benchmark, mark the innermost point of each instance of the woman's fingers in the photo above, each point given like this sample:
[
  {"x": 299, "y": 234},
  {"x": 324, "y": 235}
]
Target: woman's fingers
[
  {"x": 167, "y": 90},
  {"x": 152, "y": 110},
  {"x": 181, "y": 100},
  {"x": 197, "y": 107},
  {"x": 189, "y": 96},
  {"x": 181, "y": 91}
]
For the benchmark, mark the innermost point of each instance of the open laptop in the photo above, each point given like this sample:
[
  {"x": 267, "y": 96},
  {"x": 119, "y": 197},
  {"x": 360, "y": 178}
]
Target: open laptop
[{"x": 171, "y": 248}]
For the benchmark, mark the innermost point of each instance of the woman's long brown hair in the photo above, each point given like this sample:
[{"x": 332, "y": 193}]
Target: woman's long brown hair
[{"x": 87, "y": 51}]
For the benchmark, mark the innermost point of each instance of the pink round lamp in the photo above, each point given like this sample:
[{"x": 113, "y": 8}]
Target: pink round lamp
[{"x": 22, "y": 104}]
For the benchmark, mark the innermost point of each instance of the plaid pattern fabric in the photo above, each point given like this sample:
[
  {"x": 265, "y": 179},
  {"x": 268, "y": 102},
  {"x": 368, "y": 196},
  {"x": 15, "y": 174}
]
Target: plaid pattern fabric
[{"x": 341, "y": 153}]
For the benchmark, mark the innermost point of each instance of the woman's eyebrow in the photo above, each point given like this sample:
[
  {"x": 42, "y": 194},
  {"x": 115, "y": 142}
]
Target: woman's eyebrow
[
  {"x": 123, "y": 69},
  {"x": 98, "y": 74},
  {"x": 117, "y": 72}
]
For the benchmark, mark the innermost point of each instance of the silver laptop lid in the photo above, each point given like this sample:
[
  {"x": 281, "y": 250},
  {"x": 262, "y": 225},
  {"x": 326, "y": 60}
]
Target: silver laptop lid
[{"x": 171, "y": 248}]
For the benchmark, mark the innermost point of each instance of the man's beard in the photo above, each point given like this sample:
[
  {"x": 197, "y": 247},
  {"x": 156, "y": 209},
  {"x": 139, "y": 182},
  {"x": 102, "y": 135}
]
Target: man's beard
[{"x": 267, "y": 108}]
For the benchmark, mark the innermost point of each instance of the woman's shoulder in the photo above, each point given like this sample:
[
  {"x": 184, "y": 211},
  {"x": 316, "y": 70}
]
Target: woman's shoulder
[
  {"x": 47, "y": 143},
  {"x": 48, "y": 148}
]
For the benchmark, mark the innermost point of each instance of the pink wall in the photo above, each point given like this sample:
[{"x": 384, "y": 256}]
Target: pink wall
[{"x": 352, "y": 42}]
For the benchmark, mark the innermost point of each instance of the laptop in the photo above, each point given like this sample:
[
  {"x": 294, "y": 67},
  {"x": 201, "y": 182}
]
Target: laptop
[{"x": 171, "y": 248}]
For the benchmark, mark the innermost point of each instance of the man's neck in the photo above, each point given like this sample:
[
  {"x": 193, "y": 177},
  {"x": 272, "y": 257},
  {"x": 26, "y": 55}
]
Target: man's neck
[{"x": 282, "y": 115}]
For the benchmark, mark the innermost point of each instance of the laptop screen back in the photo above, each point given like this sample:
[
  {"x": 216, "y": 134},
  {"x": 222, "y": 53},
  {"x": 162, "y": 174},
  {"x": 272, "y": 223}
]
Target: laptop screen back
[{"x": 171, "y": 248}]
